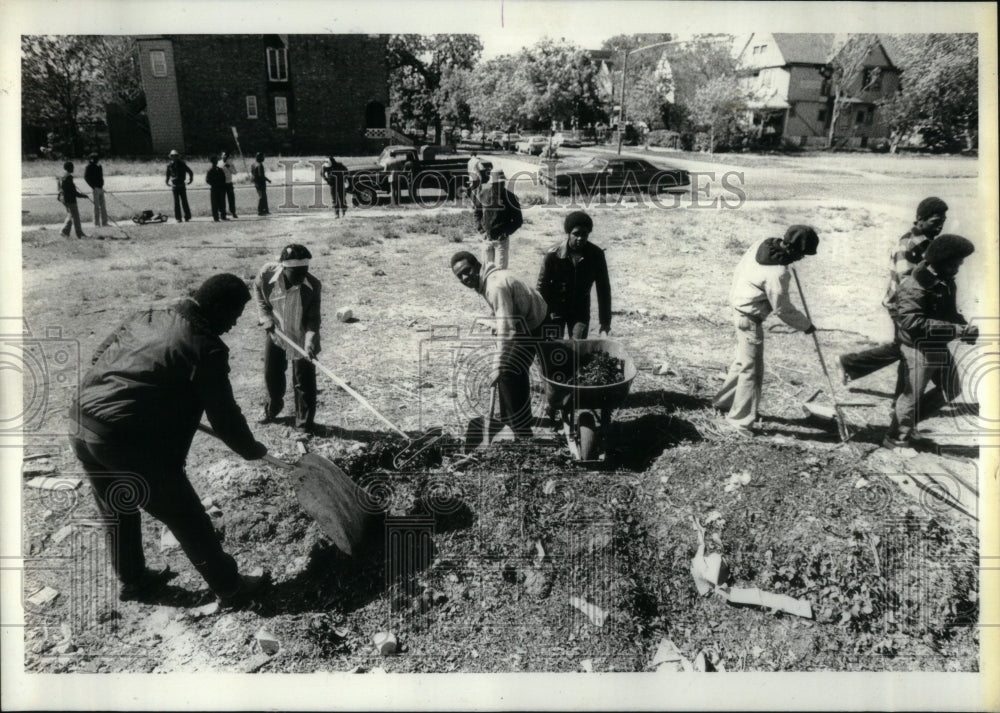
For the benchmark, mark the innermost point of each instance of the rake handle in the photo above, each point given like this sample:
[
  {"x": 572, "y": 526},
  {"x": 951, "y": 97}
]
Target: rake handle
[
  {"x": 341, "y": 383},
  {"x": 841, "y": 421}
]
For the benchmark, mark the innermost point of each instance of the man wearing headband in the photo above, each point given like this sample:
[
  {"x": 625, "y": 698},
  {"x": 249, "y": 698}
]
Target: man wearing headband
[
  {"x": 760, "y": 288},
  {"x": 288, "y": 299}
]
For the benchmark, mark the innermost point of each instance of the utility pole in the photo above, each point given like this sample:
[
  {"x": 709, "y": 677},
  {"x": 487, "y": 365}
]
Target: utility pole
[{"x": 621, "y": 107}]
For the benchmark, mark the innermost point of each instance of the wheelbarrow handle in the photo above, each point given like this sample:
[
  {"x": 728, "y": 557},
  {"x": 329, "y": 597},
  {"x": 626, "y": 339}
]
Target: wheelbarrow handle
[
  {"x": 341, "y": 383},
  {"x": 268, "y": 457}
]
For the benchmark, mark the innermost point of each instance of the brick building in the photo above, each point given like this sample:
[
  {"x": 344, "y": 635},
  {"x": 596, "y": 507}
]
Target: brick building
[{"x": 289, "y": 94}]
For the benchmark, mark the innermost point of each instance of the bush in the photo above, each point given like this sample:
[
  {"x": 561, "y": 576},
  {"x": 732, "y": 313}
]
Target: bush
[{"x": 664, "y": 137}]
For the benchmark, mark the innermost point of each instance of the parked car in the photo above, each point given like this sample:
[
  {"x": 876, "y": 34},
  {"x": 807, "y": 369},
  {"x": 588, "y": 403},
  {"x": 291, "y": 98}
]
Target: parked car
[
  {"x": 504, "y": 140},
  {"x": 533, "y": 145},
  {"x": 568, "y": 140},
  {"x": 616, "y": 175}
]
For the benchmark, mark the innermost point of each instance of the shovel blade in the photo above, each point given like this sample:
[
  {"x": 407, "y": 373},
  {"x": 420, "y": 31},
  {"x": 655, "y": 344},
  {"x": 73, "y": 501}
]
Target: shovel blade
[{"x": 332, "y": 499}]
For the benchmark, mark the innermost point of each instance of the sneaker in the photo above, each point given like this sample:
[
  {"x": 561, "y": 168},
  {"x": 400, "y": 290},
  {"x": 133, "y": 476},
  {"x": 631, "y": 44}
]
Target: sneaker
[
  {"x": 148, "y": 585},
  {"x": 915, "y": 441},
  {"x": 251, "y": 585},
  {"x": 266, "y": 418}
]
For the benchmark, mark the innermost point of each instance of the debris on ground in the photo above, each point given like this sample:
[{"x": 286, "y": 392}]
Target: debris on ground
[
  {"x": 709, "y": 572},
  {"x": 44, "y": 596},
  {"x": 593, "y": 612},
  {"x": 587, "y": 665},
  {"x": 48, "y": 482},
  {"x": 37, "y": 467},
  {"x": 168, "y": 541},
  {"x": 669, "y": 659},
  {"x": 769, "y": 600},
  {"x": 737, "y": 480},
  {"x": 345, "y": 314},
  {"x": 266, "y": 642},
  {"x": 385, "y": 643},
  {"x": 599, "y": 369},
  {"x": 62, "y": 533}
]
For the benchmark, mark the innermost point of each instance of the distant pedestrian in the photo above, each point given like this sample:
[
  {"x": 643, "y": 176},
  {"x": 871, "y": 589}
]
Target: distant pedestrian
[
  {"x": 498, "y": 215},
  {"x": 906, "y": 255},
  {"x": 94, "y": 176},
  {"x": 475, "y": 169},
  {"x": 67, "y": 196},
  {"x": 760, "y": 288},
  {"x": 260, "y": 181},
  {"x": 335, "y": 174},
  {"x": 176, "y": 171},
  {"x": 230, "y": 169},
  {"x": 216, "y": 180}
]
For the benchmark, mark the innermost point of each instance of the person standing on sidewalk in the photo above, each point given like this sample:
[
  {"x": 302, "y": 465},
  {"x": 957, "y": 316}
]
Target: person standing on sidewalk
[
  {"x": 760, "y": 288},
  {"x": 94, "y": 176},
  {"x": 216, "y": 180},
  {"x": 67, "y": 196},
  {"x": 176, "y": 171},
  {"x": 230, "y": 170},
  {"x": 335, "y": 174},
  {"x": 260, "y": 181},
  {"x": 498, "y": 215},
  {"x": 475, "y": 171},
  {"x": 906, "y": 255},
  {"x": 133, "y": 422},
  {"x": 288, "y": 298}
]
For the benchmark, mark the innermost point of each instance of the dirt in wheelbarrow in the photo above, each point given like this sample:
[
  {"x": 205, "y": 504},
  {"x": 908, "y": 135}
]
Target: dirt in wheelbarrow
[{"x": 599, "y": 369}]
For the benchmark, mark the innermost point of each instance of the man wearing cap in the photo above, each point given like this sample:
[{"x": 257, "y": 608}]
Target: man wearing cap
[
  {"x": 176, "y": 171},
  {"x": 260, "y": 181},
  {"x": 288, "y": 299},
  {"x": 133, "y": 422},
  {"x": 94, "y": 176},
  {"x": 498, "y": 215},
  {"x": 520, "y": 313},
  {"x": 216, "y": 180},
  {"x": 334, "y": 173},
  {"x": 68, "y": 195},
  {"x": 760, "y": 288},
  {"x": 230, "y": 171},
  {"x": 570, "y": 269},
  {"x": 925, "y": 312},
  {"x": 906, "y": 254}
]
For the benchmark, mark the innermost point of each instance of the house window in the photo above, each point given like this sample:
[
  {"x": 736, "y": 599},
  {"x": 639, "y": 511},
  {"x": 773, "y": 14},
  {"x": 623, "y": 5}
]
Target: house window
[
  {"x": 791, "y": 110},
  {"x": 251, "y": 107},
  {"x": 281, "y": 112},
  {"x": 158, "y": 62},
  {"x": 871, "y": 80},
  {"x": 860, "y": 118},
  {"x": 277, "y": 64},
  {"x": 821, "y": 115},
  {"x": 824, "y": 88}
]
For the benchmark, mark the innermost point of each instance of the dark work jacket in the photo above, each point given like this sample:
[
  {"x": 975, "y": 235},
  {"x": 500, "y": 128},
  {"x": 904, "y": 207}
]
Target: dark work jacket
[
  {"x": 924, "y": 309},
  {"x": 497, "y": 211},
  {"x": 176, "y": 170},
  {"x": 216, "y": 178},
  {"x": 152, "y": 379},
  {"x": 566, "y": 286},
  {"x": 94, "y": 175},
  {"x": 67, "y": 189}
]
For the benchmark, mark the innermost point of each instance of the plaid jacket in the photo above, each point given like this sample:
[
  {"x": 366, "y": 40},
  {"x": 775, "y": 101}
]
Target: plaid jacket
[{"x": 906, "y": 254}]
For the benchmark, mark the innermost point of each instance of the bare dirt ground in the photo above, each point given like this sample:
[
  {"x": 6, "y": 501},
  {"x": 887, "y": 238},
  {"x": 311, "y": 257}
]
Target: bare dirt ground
[{"x": 474, "y": 570}]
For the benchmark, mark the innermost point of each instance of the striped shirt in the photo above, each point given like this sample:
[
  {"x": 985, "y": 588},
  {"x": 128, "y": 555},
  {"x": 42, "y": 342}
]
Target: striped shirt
[{"x": 905, "y": 255}]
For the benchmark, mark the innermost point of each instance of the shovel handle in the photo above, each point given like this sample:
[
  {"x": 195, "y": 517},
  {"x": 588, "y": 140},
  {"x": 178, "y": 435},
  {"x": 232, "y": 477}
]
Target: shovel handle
[
  {"x": 268, "y": 457},
  {"x": 341, "y": 383}
]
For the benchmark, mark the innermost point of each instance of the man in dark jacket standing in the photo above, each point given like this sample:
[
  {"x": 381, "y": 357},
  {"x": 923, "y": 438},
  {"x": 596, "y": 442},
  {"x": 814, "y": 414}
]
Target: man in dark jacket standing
[
  {"x": 176, "y": 171},
  {"x": 68, "y": 195},
  {"x": 138, "y": 409},
  {"x": 570, "y": 269},
  {"x": 335, "y": 174},
  {"x": 94, "y": 176},
  {"x": 260, "y": 181},
  {"x": 906, "y": 255},
  {"x": 288, "y": 298},
  {"x": 498, "y": 215},
  {"x": 925, "y": 312},
  {"x": 216, "y": 180}
]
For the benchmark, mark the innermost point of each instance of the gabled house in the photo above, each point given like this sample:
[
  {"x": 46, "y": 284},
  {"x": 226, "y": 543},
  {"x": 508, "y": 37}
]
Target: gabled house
[
  {"x": 291, "y": 94},
  {"x": 788, "y": 75}
]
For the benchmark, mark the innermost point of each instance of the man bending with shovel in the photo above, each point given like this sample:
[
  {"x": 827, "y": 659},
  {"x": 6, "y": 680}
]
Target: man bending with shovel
[
  {"x": 760, "y": 288},
  {"x": 521, "y": 314},
  {"x": 288, "y": 299},
  {"x": 132, "y": 426}
]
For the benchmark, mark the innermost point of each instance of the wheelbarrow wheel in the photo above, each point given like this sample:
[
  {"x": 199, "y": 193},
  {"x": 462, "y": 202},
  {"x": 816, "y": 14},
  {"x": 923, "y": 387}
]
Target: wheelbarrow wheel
[{"x": 587, "y": 427}]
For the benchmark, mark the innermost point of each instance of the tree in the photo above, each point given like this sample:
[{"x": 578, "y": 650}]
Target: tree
[
  {"x": 847, "y": 75},
  {"x": 499, "y": 92},
  {"x": 649, "y": 84},
  {"x": 417, "y": 65},
  {"x": 560, "y": 82},
  {"x": 939, "y": 92},
  {"x": 719, "y": 106}
]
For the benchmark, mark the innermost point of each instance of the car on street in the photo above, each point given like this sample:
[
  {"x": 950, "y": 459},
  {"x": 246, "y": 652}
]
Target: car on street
[
  {"x": 615, "y": 175},
  {"x": 533, "y": 145},
  {"x": 504, "y": 140},
  {"x": 567, "y": 140}
]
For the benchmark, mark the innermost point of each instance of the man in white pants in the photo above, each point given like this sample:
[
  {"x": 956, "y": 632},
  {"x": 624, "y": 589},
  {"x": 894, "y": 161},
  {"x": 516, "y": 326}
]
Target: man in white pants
[{"x": 498, "y": 215}]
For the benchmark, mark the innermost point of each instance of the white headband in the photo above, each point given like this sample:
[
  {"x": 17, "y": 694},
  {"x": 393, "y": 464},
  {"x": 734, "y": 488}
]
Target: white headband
[{"x": 295, "y": 263}]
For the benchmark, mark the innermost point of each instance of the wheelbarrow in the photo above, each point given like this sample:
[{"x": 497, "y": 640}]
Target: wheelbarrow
[{"x": 585, "y": 412}]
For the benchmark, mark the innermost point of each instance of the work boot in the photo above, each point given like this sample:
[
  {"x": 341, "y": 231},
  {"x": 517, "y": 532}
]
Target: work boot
[
  {"x": 267, "y": 417},
  {"x": 147, "y": 586},
  {"x": 250, "y": 587},
  {"x": 914, "y": 440}
]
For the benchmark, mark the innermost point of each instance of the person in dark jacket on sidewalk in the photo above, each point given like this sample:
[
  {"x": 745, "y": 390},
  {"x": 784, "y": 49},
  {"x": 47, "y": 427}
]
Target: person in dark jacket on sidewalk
[
  {"x": 68, "y": 195},
  {"x": 498, "y": 215},
  {"x": 177, "y": 169},
  {"x": 137, "y": 411},
  {"x": 288, "y": 298},
  {"x": 216, "y": 180},
  {"x": 94, "y": 176},
  {"x": 335, "y": 174},
  {"x": 260, "y": 181},
  {"x": 230, "y": 171},
  {"x": 925, "y": 312},
  {"x": 570, "y": 269},
  {"x": 906, "y": 255}
]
